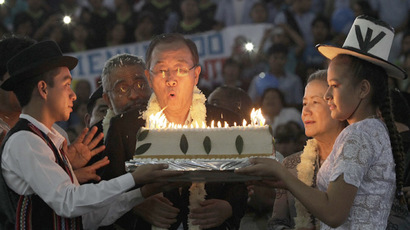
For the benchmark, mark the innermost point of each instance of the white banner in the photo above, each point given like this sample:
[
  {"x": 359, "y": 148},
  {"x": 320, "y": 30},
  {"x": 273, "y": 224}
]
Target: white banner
[{"x": 213, "y": 48}]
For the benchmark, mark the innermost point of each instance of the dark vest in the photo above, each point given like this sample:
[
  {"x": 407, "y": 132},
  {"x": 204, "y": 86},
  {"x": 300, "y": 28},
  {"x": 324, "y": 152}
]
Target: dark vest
[{"x": 31, "y": 212}]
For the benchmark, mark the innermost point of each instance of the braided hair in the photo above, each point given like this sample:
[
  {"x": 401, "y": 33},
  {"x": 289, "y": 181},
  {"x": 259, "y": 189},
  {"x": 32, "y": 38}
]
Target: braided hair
[{"x": 378, "y": 79}]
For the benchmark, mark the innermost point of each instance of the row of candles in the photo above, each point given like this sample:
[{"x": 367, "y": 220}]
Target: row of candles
[{"x": 159, "y": 121}]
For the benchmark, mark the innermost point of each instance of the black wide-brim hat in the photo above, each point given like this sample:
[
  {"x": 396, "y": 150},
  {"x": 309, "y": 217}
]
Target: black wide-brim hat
[
  {"x": 368, "y": 39},
  {"x": 35, "y": 60}
]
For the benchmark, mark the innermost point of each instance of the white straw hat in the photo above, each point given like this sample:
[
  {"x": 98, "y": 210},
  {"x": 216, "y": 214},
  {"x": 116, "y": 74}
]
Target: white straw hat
[{"x": 368, "y": 39}]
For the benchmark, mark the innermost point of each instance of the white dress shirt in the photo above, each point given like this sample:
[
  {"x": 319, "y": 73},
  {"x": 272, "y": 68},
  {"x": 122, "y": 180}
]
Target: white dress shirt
[{"x": 29, "y": 167}]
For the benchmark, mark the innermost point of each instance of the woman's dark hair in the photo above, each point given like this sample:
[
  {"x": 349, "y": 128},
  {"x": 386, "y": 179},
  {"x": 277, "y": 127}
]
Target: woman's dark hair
[
  {"x": 400, "y": 107},
  {"x": 377, "y": 77},
  {"x": 281, "y": 95},
  {"x": 170, "y": 38}
]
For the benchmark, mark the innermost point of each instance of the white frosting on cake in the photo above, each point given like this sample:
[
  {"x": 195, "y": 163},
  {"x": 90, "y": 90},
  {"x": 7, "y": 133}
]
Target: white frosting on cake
[{"x": 208, "y": 143}]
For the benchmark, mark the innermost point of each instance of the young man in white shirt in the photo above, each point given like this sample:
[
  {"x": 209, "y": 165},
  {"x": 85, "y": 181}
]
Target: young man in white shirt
[{"x": 38, "y": 188}]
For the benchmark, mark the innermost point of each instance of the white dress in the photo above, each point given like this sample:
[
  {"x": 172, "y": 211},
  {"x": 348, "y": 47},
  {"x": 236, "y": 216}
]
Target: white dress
[{"x": 362, "y": 153}]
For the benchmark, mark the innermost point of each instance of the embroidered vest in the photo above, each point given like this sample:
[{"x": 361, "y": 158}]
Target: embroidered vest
[{"x": 30, "y": 211}]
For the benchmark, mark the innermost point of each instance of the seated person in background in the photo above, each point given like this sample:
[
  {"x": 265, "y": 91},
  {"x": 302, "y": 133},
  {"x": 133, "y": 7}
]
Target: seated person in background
[
  {"x": 275, "y": 111},
  {"x": 231, "y": 73},
  {"x": 276, "y": 76},
  {"x": 286, "y": 139},
  {"x": 96, "y": 109},
  {"x": 232, "y": 98}
]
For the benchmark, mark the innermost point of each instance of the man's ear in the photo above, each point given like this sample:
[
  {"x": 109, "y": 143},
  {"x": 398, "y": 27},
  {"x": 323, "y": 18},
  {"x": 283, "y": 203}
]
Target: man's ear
[
  {"x": 87, "y": 119},
  {"x": 42, "y": 89},
  {"x": 107, "y": 100},
  {"x": 197, "y": 73},
  {"x": 364, "y": 88}
]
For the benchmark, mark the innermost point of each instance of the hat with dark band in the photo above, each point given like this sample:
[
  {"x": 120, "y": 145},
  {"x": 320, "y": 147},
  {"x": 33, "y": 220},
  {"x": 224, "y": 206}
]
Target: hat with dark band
[
  {"x": 34, "y": 60},
  {"x": 368, "y": 39}
]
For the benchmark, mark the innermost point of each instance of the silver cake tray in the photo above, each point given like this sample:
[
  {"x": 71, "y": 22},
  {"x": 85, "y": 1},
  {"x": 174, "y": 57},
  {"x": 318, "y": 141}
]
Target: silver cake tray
[{"x": 200, "y": 170}]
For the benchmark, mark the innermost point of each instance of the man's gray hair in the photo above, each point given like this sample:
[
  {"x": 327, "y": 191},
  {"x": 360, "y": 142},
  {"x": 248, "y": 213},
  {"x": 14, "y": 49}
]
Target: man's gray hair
[{"x": 118, "y": 61}]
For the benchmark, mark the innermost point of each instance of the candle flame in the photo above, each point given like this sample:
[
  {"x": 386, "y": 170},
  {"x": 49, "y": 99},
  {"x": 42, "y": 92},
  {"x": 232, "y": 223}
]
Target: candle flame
[{"x": 159, "y": 121}]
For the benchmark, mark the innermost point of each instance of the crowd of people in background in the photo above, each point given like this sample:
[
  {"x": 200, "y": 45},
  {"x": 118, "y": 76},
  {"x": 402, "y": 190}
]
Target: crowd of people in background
[{"x": 273, "y": 79}]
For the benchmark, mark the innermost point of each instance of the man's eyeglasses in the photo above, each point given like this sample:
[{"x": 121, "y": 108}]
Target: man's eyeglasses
[
  {"x": 179, "y": 71},
  {"x": 124, "y": 89}
]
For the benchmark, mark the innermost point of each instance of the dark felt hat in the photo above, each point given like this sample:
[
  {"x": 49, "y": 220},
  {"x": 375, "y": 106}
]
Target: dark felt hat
[
  {"x": 34, "y": 60},
  {"x": 371, "y": 40}
]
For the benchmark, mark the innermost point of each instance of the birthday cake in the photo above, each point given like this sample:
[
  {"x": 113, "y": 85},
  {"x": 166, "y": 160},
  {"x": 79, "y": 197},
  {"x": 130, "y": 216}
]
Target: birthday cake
[
  {"x": 204, "y": 143},
  {"x": 203, "y": 153}
]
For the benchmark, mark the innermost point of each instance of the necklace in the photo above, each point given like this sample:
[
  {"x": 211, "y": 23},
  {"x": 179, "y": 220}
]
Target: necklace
[
  {"x": 197, "y": 111},
  {"x": 306, "y": 172}
]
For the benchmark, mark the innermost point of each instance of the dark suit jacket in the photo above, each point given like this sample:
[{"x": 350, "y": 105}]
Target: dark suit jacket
[{"x": 120, "y": 147}]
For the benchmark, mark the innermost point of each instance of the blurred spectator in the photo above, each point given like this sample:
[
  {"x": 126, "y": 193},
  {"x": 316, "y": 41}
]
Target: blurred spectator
[
  {"x": 259, "y": 13},
  {"x": 70, "y": 8},
  {"x": 23, "y": 26},
  {"x": 274, "y": 7},
  {"x": 277, "y": 77},
  {"x": 274, "y": 109},
  {"x": 393, "y": 12},
  {"x": 321, "y": 35},
  {"x": 161, "y": 9},
  {"x": 3, "y": 30},
  {"x": 126, "y": 16},
  {"x": 207, "y": 9},
  {"x": 404, "y": 85},
  {"x": 191, "y": 22},
  {"x": 85, "y": 16},
  {"x": 404, "y": 48},
  {"x": 116, "y": 34},
  {"x": 299, "y": 18},
  {"x": 334, "y": 5},
  {"x": 363, "y": 7},
  {"x": 80, "y": 41},
  {"x": 58, "y": 34},
  {"x": 282, "y": 34},
  {"x": 247, "y": 60},
  {"x": 231, "y": 73},
  {"x": 100, "y": 18},
  {"x": 233, "y": 12},
  {"x": 38, "y": 17},
  {"x": 144, "y": 29},
  {"x": 77, "y": 118},
  {"x": 232, "y": 98},
  {"x": 96, "y": 109},
  {"x": 287, "y": 139},
  {"x": 9, "y": 11},
  {"x": 341, "y": 21},
  {"x": 82, "y": 89},
  {"x": 259, "y": 208}
]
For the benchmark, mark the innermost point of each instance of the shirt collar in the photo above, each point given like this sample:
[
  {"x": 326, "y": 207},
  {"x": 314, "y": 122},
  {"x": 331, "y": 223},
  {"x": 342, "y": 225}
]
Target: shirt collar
[{"x": 53, "y": 134}]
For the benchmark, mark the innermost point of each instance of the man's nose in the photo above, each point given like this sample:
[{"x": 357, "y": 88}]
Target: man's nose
[{"x": 171, "y": 81}]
